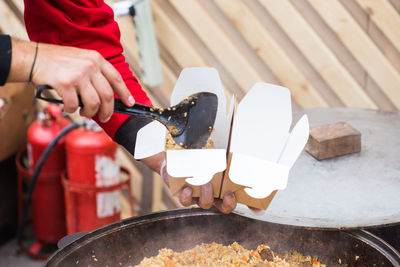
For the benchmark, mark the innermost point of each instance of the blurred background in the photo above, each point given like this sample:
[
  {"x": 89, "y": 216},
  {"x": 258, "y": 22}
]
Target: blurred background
[{"x": 343, "y": 53}]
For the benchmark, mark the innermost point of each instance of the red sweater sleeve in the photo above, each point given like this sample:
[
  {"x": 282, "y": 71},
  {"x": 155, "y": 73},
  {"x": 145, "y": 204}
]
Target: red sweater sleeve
[{"x": 86, "y": 24}]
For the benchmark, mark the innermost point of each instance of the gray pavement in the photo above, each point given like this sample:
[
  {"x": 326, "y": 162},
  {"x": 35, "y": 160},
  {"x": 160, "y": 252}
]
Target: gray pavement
[{"x": 8, "y": 257}]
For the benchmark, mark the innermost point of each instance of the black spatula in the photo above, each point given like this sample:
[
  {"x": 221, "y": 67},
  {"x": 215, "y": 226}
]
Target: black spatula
[{"x": 190, "y": 122}]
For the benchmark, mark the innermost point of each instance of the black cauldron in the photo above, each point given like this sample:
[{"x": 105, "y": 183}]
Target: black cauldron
[{"x": 126, "y": 242}]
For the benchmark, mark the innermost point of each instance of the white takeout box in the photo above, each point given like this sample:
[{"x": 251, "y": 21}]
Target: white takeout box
[{"x": 261, "y": 149}]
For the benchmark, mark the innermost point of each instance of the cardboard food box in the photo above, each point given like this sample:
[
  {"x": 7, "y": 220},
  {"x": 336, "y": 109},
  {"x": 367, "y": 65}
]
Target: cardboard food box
[
  {"x": 16, "y": 114},
  {"x": 253, "y": 152}
]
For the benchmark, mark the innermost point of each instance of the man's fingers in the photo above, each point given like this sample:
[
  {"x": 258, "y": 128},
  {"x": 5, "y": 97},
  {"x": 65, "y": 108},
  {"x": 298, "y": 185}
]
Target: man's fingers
[
  {"x": 70, "y": 99},
  {"x": 106, "y": 96},
  {"x": 227, "y": 204},
  {"x": 206, "y": 199},
  {"x": 255, "y": 210},
  {"x": 206, "y": 196},
  {"x": 117, "y": 83},
  {"x": 90, "y": 99},
  {"x": 163, "y": 172},
  {"x": 185, "y": 197}
]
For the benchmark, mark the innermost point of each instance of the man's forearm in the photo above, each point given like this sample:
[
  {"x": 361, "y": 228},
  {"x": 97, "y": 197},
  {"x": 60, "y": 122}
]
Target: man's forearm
[
  {"x": 16, "y": 57},
  {"x": 23, "y": 53}
]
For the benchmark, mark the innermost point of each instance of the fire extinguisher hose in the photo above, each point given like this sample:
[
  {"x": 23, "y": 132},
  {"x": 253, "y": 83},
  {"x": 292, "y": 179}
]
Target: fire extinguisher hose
[{"x": 42, "y": 160}]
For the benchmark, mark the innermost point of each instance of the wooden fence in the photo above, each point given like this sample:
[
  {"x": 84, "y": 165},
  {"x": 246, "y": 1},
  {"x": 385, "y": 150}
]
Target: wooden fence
[{"x": 328, "y": 53}]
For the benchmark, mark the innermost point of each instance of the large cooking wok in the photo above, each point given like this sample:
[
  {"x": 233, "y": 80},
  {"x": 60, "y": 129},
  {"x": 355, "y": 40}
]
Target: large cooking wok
[{"x": 128, "y": 241}]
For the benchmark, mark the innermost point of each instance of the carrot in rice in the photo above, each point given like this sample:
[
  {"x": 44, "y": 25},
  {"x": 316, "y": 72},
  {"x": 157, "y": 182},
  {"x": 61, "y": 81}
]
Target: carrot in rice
[
  {"x": 169, "y": 263},
  {"x": 254, "y": 254}
]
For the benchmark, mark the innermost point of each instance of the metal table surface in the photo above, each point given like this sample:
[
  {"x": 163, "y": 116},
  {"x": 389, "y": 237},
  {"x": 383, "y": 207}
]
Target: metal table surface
[{"x": 351, "y": 191}]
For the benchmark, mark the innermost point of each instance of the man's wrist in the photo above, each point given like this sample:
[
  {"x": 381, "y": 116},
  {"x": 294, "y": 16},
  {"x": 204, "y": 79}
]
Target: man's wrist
[{"x": 33, "y": 63}]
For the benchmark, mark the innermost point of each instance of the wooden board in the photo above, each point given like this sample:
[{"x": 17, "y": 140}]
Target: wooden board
[
  {"x": 318, "y": 54},
  {"x": 271, "y": 53},
  {"x": 333, "y": 140},
  {"x": 332, "y": 41},
  {"x": 10, "y": 23},
  {"x": 217, "y": 42},
  {"x": 385, "y": 16},
  {"x": 361, "y": 46}
]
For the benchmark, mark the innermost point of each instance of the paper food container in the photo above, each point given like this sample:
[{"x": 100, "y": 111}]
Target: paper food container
[{"x": 261, "y": 148}]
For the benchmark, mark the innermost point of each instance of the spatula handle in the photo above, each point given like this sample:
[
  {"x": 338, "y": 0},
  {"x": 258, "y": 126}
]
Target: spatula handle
[
  {"x": 140, "y": 110},
  {"x": 119, "y": 107},
  {"x": 42, "y": 88}
]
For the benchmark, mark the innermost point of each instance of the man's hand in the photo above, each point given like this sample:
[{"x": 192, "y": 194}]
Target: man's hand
[
  {"x": 206, "y": 199},
  {"x": 71, "y": 72}
]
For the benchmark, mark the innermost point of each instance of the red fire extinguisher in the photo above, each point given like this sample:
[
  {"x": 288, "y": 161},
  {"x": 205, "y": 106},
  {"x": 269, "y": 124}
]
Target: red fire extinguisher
[
  {"x": 92, "y": 184},
  {"x": 48, "y": 199}
]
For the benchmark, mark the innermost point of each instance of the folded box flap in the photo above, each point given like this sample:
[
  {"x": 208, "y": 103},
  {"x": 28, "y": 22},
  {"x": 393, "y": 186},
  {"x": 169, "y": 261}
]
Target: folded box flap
[
  {"x": 262, "y": 121},
  {"x": 260, "y": 176},
  {"x": 296, "y": 142},
  {"x": 199, "y": 165},
  {"x": 262, "y": 149},
  {"x": 222, "y": 126},
  {"x": 150, "y": 140}
]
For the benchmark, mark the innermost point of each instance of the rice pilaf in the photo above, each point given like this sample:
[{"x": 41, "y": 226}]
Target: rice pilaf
[{"x": 218, "y": 255}]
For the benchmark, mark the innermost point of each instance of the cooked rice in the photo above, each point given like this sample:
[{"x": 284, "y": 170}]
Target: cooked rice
[
  {"x": 233, "y": 255},
  {"x": 171, "y": 145}
]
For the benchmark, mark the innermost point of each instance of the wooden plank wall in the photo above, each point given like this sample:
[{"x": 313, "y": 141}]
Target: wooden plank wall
[{"x": 328, "y": 53}]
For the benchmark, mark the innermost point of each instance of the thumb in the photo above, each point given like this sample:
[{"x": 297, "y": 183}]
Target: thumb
[{"x": 163, "y": 172}]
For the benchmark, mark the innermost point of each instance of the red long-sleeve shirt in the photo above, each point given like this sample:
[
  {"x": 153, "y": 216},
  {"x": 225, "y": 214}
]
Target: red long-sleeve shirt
[{"x": 85, "y": 24}]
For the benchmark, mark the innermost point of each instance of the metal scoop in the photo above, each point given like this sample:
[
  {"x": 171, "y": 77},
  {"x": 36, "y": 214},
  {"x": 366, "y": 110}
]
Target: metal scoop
[{"x": 190, "y": 122}]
